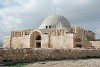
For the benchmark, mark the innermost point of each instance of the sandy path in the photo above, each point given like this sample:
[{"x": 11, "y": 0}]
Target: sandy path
[{"x": 67, "y": 63}]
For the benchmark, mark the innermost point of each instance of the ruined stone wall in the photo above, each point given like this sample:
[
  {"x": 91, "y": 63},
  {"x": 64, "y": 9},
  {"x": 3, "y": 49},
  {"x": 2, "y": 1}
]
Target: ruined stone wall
[
  {"x": 57, "y": 38},
  {"x": 61, "y": 38},
  {"x": 7, "y": 42},
  {"x": 96, "y": 44},
  {"x": 18, "y": 39},
  {"x": 83, "y": 34},
  {"x": 30, "y": 54}
]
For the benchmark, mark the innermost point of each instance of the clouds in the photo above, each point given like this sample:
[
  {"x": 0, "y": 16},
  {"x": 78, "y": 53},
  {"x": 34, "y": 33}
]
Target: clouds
[{"x": 24, "y": 14}]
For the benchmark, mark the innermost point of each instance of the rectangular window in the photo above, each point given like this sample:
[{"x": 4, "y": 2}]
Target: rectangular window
[
  {"x": 46, "y": 26},
  {"x": 78, "y": 45}
]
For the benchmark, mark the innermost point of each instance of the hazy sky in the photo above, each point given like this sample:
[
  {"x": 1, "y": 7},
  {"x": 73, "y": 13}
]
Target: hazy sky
[{"x": 28, "y": 14}]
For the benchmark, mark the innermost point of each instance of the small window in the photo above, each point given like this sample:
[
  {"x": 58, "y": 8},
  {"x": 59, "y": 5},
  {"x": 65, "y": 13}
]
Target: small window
[
  {"x": 46, "y": 26},
  {"x": 50, "y": 26},
  {"x": 45, "y": 33},
  {"x": 26, "y": 33},
  {"x": 78, "y": 45}
]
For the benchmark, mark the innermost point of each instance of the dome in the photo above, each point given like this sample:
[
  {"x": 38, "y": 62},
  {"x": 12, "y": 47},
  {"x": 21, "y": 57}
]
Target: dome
[{"x": 55, "y": 21}]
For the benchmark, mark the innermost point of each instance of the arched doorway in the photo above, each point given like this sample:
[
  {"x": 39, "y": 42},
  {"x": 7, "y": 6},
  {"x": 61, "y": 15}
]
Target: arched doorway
[
  {"x": 35, "y": 40},
  {"x": 38, "y": 41}
]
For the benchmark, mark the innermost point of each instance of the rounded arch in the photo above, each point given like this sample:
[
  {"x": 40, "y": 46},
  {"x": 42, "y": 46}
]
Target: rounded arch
[
  {"x": 36, "y": 30},
  {"x": 35, "y": 39}
]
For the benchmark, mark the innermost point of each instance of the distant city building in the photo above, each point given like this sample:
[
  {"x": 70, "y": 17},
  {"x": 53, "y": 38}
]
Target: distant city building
[{"x": 54, "y": 32}]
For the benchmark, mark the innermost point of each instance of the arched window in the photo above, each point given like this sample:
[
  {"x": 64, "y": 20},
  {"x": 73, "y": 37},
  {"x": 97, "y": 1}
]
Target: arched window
[{"x": 38, "y": 37}]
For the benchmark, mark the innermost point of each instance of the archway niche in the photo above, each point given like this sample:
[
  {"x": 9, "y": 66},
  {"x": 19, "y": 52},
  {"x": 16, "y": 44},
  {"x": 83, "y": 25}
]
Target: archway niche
[
  {"x": 38, "y": 37},
  {"x": 35, "y": 40}
]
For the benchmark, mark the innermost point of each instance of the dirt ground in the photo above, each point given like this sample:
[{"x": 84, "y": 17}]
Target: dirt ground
[{"x": 67, "y": 63}]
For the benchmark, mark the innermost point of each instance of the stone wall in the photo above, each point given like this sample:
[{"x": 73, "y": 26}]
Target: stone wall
[
  {"x": 66, "y": 41},
  {"x": 7, "y": 42},
  {"x": 50, "y": 38},
  {"x": 96, "y": 44},
  {"x": 29, "y": 54}
]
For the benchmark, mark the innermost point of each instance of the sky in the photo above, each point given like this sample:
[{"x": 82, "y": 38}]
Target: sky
[{"x": 29, "y": 14}]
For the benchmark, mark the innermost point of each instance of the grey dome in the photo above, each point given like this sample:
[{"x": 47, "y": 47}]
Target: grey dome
[{"x": 55, "y": 21}]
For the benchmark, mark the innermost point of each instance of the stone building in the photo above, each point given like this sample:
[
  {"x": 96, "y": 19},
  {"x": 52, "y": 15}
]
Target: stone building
[{"x": 54, "y": 32}]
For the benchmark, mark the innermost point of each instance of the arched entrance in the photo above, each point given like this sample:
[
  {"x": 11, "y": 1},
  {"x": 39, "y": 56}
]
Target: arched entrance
[
  {"x": 35, "y": 40},
  {"x": 38, "y": 41}
]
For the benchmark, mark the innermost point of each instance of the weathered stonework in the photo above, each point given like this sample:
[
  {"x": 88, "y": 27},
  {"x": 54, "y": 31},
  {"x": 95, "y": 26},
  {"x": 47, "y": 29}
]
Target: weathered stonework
[
  {"x": 54, "y": 32},
  {"x": 30, "y": 54},
  {"x": 95, "y": 43}
]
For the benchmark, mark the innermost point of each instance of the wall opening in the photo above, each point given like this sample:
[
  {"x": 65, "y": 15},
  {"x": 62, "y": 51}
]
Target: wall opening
[
  {"x": 35, "y": 41},
  {"x": 38, "y": 45},
  {"x": 38, "y": 37},
  {"x": 78, "y": 45},
  {"x": 46, "y": 27}
]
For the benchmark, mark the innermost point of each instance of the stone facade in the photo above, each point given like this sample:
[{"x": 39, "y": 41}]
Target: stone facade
[
  {"x": 7, "y": 42},
  {"x": 55, "y": 32},
  {"x": 95, "y": 44},
  {"x": 50, "y": 38}
]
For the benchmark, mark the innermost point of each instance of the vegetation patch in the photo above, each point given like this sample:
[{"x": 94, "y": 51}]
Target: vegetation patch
[
  {"x": 17, "y": 65},
  {"x": 22, "y": 64}
]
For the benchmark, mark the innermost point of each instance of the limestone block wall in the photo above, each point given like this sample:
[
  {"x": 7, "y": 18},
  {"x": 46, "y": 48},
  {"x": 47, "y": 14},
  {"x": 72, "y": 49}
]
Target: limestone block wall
[
  {"x": 45, "y": 41},
  {"x": 87, "y": 44},
  {"x": 96, "y": 44},
  {"x": 80, "y": 34},
  {"x": 69, "y": 40},
  {"x": 83, "y": 34},
  {"x": 20, "y": 42},
  {"x": 26, "y": 42},
  {"x": 6, "y": 42},
  {"x": 17, "y": 42},
  {"x": 18, "y": 39},
  {"x": 57, "y": 38},
  {"x": 65, "y": 41},
  {"x": 57, "y": 41},
  {"x": 90, "y": 35},
  {"x": 29, "y": 54}
]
